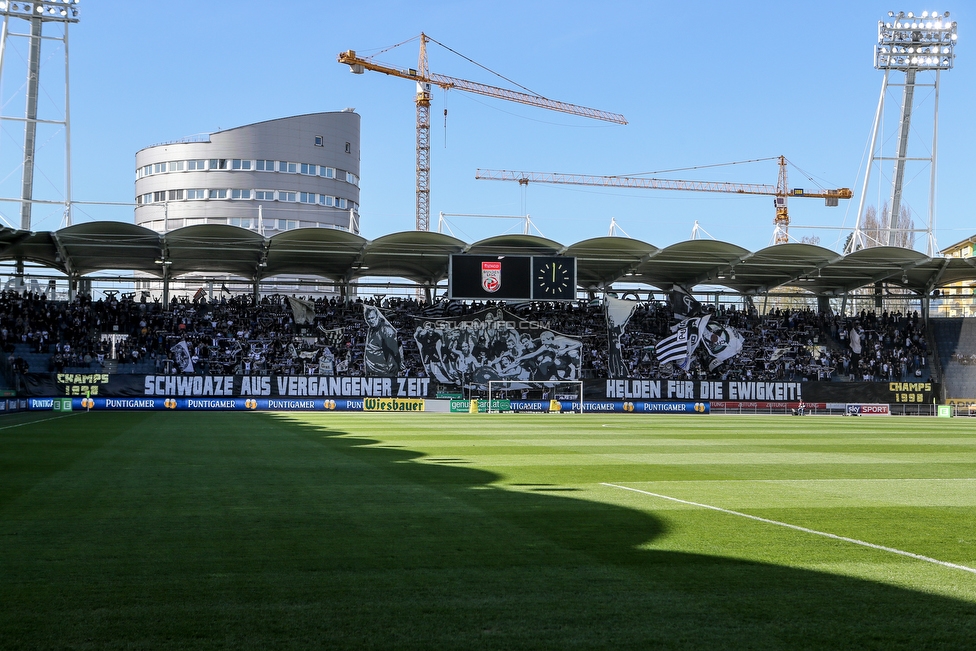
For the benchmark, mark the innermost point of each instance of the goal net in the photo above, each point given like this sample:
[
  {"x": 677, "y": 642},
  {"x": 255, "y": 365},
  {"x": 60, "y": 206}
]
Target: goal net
[{"x": 555, "y": 395}]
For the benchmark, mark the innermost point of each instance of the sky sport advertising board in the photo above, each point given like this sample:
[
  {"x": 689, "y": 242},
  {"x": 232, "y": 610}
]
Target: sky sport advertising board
[{"x": 868, "y": 410}]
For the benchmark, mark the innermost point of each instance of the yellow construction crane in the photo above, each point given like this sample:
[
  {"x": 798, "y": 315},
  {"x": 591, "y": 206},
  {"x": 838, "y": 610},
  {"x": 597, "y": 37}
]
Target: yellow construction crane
[
  {"x": 425, "y": 80},
  {"x": 780, "y": 192}
]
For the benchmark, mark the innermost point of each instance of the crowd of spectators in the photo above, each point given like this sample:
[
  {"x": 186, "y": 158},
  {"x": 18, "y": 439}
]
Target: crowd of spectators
[{"x": 233, "y": 335}]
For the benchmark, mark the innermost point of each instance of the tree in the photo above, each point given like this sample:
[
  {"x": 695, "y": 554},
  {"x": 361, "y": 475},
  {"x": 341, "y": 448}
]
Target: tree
[{"x": 902, "y": 232}]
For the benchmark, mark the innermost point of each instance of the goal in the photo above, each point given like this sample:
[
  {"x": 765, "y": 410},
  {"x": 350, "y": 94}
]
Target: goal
[{"x": 569, "y": 394}]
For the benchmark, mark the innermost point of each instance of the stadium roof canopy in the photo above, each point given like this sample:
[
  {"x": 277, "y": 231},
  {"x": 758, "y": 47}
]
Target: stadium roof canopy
[{"x": 422, "y": 257}]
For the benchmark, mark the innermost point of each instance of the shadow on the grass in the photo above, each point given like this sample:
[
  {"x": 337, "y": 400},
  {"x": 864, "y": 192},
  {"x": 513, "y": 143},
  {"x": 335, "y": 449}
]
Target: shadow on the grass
[
  {"x": 260, "y": 531},
  {"x": 494, "y": 567}
]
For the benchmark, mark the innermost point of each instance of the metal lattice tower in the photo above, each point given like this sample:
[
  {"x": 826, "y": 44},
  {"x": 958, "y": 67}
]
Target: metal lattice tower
[
  {"x": 35, "y": 15},
  {"x": 912, "y": 44}
]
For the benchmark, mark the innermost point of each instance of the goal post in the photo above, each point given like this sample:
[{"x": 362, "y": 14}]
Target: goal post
[{"x": 569, "y": 393}]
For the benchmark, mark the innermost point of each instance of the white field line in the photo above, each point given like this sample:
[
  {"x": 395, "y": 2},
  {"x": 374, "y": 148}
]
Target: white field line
[
  {"x": 853, "y": 541},
  {"x": 34, "y": 422}
]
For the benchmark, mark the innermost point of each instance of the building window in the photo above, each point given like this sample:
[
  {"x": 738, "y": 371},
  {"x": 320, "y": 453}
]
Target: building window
[
  {"x": 239, "y": 164},
  {"x": 196, "y": 164},
  {"x": 287, "y": 224},
  {"x": 326, "y": 200},
  {"x": 348, "y": 148},
  {"x": 327, "y": 172},
  {"x": 265, "y": 165},
  {"x": 287, "y": 196},
  {"x": 217, "y": 194},
  {"x": 308, "y": 168},
  {"x": 196, "y": 193},
  {"x": 146, "y": 198},
  {"x": 285, "y": 166},
  {"x": 264, "y": 195},
  {"x": 352, "y": 178},
  {"x": 175, "y": 195},
  {"x": 218, "y": 163},
  {"x": 159, "y": 196},
  {"x": 243, "y": 222},
  {"x": 159, "y": 168},
  {"x": 307, "y": 197},
  {"x": 176, "y": 166},
  {"x": 340, "y": 203},
  {"x": 319, "y": 141},
  {"x": 240, "y": 194}
]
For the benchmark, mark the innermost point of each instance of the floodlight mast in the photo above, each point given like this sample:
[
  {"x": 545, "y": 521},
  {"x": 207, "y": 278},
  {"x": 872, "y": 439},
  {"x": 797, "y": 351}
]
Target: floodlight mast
[
  {"x": 37, "y": 13},
  {"x": 908, "y": 43}
]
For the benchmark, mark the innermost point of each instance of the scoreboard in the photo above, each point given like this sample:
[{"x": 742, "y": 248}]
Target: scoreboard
[{"x": 512, "y": 277}]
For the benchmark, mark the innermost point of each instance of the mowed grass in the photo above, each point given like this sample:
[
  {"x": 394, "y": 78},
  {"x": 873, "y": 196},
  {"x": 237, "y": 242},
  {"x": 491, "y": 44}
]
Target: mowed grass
[{"x": 436, "y": 531}]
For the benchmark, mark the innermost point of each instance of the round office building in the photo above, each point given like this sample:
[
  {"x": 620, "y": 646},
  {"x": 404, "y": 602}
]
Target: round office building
[{"x": 269, "y": 177}]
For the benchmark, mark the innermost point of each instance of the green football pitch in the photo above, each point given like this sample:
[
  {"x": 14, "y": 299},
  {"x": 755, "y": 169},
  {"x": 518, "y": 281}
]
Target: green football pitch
[{"x": 473, "y": 531}]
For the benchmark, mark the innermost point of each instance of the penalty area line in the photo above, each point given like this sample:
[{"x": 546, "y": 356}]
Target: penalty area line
[
  {"x": 853, "y": 541},
  {"x": 34, "y": 422}
]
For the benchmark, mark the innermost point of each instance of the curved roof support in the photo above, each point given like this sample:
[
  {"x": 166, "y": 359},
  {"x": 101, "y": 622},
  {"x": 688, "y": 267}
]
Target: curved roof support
[
  {"x": 63, "y": 255},
  {"x": 937, "y": 276}
]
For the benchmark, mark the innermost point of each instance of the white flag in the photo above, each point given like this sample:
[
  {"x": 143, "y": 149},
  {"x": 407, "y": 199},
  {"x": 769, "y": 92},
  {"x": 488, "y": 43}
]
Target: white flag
[
  {"x": 619, "y": 312},
  {"x": 722, "y": 343},
  {"x": 181, "y": 353},
  {"x": 302, "y": 311}
]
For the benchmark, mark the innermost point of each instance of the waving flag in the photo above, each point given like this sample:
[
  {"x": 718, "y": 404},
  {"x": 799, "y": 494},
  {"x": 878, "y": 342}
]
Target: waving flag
[{"x": 679, "y": 347}]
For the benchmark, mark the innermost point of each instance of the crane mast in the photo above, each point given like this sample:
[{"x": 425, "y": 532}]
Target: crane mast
[
  {"x": 423, "y": 140},
  {"x": 425, "y": 80},
  {"x": 780, "y": 192}
]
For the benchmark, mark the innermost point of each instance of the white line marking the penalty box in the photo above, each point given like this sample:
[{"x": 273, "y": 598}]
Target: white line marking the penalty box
[
  {"x": 34, "y": 422},
  {"x": 853, "y": 541}
]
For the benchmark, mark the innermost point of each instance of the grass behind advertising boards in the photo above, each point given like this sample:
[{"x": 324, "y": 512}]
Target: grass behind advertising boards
[{"x": 435, "y": 531}]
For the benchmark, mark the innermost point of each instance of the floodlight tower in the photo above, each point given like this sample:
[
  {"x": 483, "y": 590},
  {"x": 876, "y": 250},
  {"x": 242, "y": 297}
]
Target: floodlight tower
[
  {"x": 910, "y": 43},
  {"x": 37, "y": 14}
]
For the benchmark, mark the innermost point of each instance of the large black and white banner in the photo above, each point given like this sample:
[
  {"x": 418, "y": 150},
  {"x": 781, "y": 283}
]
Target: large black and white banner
[
  {"x": 721, "y": 342},
  {"x": 224, "y": 386},
  {"x": 753, "y": 391},
  {"x": 618, "y": 313},
  {"x": 383, "y": 355},
  {"x": 103, "y": 385},
  {"x": 491, "y": 345}
]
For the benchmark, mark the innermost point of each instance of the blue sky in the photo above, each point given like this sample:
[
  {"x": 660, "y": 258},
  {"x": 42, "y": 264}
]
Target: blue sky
[{"x": 700, "y": 82}]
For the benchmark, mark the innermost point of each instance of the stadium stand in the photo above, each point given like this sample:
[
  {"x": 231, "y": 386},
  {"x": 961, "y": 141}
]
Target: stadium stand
[
  {"x": 234, "y": 336},
  {"x": 955, "y": 340}
]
